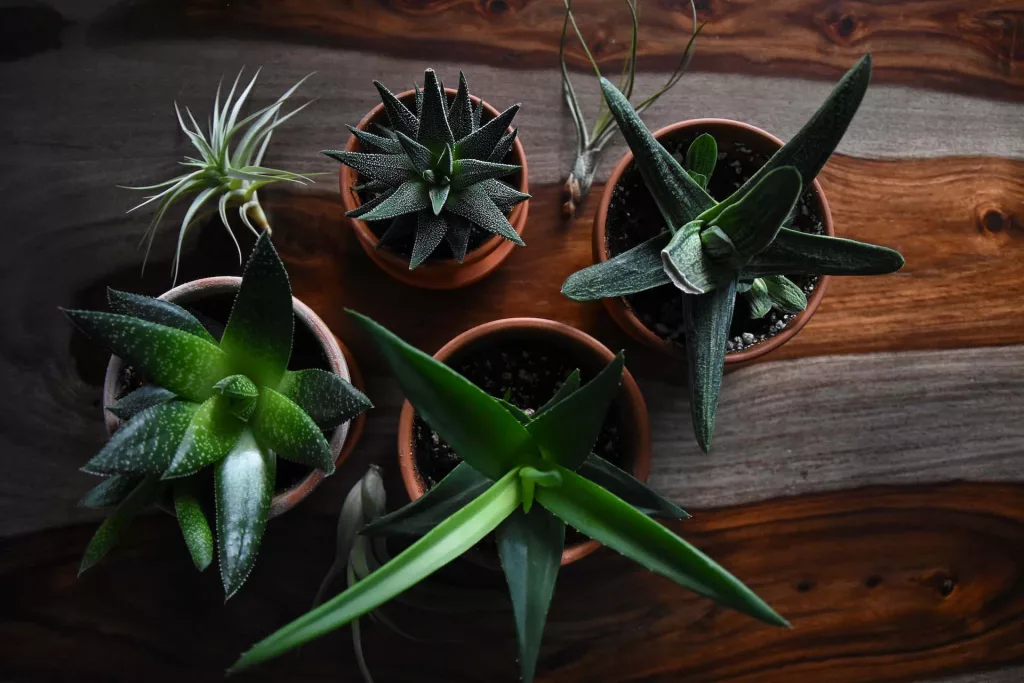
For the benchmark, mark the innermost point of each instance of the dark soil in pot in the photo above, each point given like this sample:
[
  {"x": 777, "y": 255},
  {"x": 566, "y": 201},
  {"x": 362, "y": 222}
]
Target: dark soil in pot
[{"x": 633, "y": 217}]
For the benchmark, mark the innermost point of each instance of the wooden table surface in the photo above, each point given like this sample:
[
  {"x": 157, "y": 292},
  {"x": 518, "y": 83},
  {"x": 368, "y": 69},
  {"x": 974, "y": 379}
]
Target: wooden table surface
[{"x": 867, "y": 480}]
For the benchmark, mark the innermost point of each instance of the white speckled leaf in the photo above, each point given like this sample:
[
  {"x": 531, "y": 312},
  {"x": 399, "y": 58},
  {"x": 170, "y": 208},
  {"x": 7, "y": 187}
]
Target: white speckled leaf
[
  {"x": 156, "y": 311},
  {"x": 144, "y": 397},
  {"x": 211, "y": 434},
  {"x": 326, "y": 398},
  {"x": 195, "y": 528},
  {"x": 111, "y": 491},
  {"x": 281, "y": 425},
  {"x": 109, "y": 533},
  {"x": 146, "y": 444}
]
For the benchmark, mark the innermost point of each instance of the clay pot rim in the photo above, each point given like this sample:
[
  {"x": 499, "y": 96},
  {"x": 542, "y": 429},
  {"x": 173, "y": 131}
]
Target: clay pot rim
[
  {"x": 343, "y": 438},
  {"x": 430, "y": 274},
  {"x": 633, "y": 406},
  {"x": 623, "y": 314}
]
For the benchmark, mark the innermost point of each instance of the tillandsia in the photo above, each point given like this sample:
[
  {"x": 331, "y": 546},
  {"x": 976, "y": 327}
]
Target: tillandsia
[
  {"x": 589, "y": 143},
  {"x": 525, "y": 477},
  {"x": 714, "y": 249},
  {"x": 436, "y": 173},
  {"x": 220, "y": 177},
  {"x": 230, "y": 405}
]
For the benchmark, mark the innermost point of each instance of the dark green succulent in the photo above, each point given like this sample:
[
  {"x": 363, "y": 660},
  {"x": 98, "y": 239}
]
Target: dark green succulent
[
  {"x": 712, "y": 250},
  {"x": 435, "y": 172},
  {"x": 229, "y": 404}
]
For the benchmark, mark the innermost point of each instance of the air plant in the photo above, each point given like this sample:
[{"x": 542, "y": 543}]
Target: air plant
[
  {"x": 221, "y": 177},
  {"x": 230, "y": 405},
  {"x": 590, "y": 143},
  {"x": 435, "y": 172},
  {"x": 712, "y": 250},
  {"x": 524, "y": 477}
]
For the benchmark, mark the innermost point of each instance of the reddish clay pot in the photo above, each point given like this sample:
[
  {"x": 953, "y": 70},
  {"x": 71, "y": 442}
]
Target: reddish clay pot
[
  {"x": 592, "y": 355},
  {"x": 722, "y": 130},
  {"x": 344, "y": 437},
  {"x": 435, "y": 273}
]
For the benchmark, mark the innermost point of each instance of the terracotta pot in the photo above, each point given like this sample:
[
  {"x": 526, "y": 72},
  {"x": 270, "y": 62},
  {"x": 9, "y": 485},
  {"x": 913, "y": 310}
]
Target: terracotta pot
[
  {"x": 722, "y": 130},
  {"x": 344, "y": 437},
  {"x": 435, "y": 273},
  {"x": 591, "y": 355}
]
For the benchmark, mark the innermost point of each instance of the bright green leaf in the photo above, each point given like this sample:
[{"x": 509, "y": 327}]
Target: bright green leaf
[
  {"x": 146, "y": 444},
  {"x": 325, "y": 397},
  {"x": 702, "y": 156},
  {"x": 194, "y": 526},
  {"x": 281, "y": 426},
  {"x": 211, "y": 434},
  {"x": 571, "y": 384},
  {"x": 239, "y": 394},
  {"x": 515, "y": 411},
  {"x": 785, "y": 295},
  {"x": 760, "y": 302}
]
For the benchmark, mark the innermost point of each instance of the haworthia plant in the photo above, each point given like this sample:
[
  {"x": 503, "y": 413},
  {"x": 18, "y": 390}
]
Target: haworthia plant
[
  {"x": 436, "y": 173},
  {"x": 230, "y": 405},
  {"x": 523, "y": 477},
  {"x": 713, "y": 250}
]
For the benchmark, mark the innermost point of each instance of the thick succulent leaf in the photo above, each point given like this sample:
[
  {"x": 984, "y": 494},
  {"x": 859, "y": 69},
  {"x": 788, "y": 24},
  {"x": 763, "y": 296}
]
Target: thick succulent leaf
[
  {"x": 418, "y": 155},
  {"x": 446, "y": 162},
  {"x": 796, "y": 253},
  {"x": 454, "y": 536},
  {"x": 504, "y": 145},
  {"x": 176, "y": 360},
  {"x": 504, "y": 196},
  {"x": 210, "y": 436},
  {"x": 195, "y": 528},
  {"x": 419, "y": 101},
  {"x": 567, "y": 431},
  {"x": 146, "y": 444},
  {"x": 434, "y": 131},
  {"x": 752, "y": 223},
  {"x": 478, "y": 112},
  {"x": 479, "y": 430},
  {"x": 471, "y": 171},
  {"x": 326, "y": 398},
  {"x": 707, "y": 318},
  {"x": 460, "y": 115},
  {"x": 371, "y": 142},
  {"x": 438, "y": 197},
  {"x": 156, "y": 311},
  {"x": 258, "y": 336},
  {"x": 629, "y": 489},
  {"x": 111, "y": 491},
  {"x": 516, "y": 412},
  {"x": 243, "y": 485},
  {"x": 114, "y": 526},
  {"x": 462, "y": 485},
  {"x": 530, "y": 547},
  {"x": 699, "y": 178},
  {"x": 400, "y": 227},
  {"x": 473, "y": 204},
  {"x": 430, "y": 230},
  {"x": 411, "y": 196},
  {"x": 398, "y": 114},
  {"x": 570, "y": 385},
  {"x": 458, "y": 233},
  {"x": 146, "y": 396},
  {"x": 760, "y": 302},
  {"x": 718, "y": 245},
  {"x": 281, "y": 426},
  {"x": 636, "y": 270},
  {"x": 481, "y": 142},
  {"x": 239, "y": 394},
  {"x": 610, "y": 520},
  {"x": 371, "y": 186},
  {"x": 702, "y": 156},
  {"x": 784, "y": 294},
  {"x": 686, "y": 265},
  {"x": 393, "y": 169},
  {"x": 678, "y": 197},
  {"x": 370, "y": 205}
]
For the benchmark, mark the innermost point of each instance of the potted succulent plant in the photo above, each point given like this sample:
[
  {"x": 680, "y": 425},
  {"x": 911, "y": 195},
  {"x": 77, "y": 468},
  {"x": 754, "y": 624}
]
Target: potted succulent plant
[
  {"x": 534, "y": 485},
  {"x": 203, "y": 404},
  {"x": 688, "y": 241},
  {"x": 435, "y": 184}
]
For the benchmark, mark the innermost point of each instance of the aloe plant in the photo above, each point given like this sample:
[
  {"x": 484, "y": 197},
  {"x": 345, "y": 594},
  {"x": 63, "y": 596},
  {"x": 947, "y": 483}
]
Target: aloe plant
[
  {"x": 222, "y": 177},
  {"x": 229, "y": 405},
  {"x": 712, "y": 250},
  {"x": 524, "y": 477},
  {"x": 435, "y": 173}
]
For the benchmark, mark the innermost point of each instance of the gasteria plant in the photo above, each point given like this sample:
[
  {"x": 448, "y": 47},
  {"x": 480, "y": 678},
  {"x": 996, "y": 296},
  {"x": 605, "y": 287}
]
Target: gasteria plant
[
  {"x": 220, "y": 174},
  {"x": 231, "y": 405},
  {"x": 712, "y": 250},
  {"x": 525, "y": 477},
  {"x": 436, "y": 172}
]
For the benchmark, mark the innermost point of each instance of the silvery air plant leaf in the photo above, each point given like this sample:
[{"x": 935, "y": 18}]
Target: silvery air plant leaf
[
  {"x": 222, "y": 177},
  {"x": 231, "y": 405},
  {"x": 437, "y": 172},
  {"x": 523, "y": 477},
  {"x": 714, "y": 250}
]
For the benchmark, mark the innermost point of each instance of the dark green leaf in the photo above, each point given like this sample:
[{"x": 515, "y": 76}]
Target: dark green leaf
[
  {"x": 504, "y": 196},
  {"x": 146, "y": 396},
  {"x": 629, "y": 489},
  {"x": 702, "y": 156},
  {"x": 410, "y": 197},
  {"x": 146, "y": 444},
  {"x": 460, "y": 116},
  {"x": 430, "y": 230},
  {"x": 686, "y": 264},
  {"x": 194, "y": 526},
  {"x": 110, "y": 531},
  {"x": 784, "y": 294},
  {"x": 239, "y": 394},
  {"x": 471, "y": 171},
  {"x": 760, "y": 302},
  {"x": 370, "y": 205},
  {"x": 446, "y": 162},
  {"x": 698, "y": 178},
  {"x": 797, "y": 253},
  {"x": 637, "y": 270},
  {"x": 392, "y": 169},
  {"x": 324, "y": 396},
  {"x": 210, "y": 436},
  {"x": 434, "y": 131},
  {"x": 156, "y": 311},
  {"x": 718, "y": 245},
  {"x": 281, "y": 426},
  {"x": 707, "y": 318},
  {"x": 418, "y": 155},
  {"x": 571, "y": 384},
  {"x": 458, "y": 233},
  {"x": 481, "y": 143},
  {"x": 398, "y": 114},
  {"x": 473, "y": 204},
  {"x": 613, "y": 522},
  {"x": 438, "y": 197},
  {"x": 478, "y": 112},
  {"x": 376, "y": 143},
  {"x": 400, "y": 227},
  {"x": 752, "y": 223},
  {"x": 516, "y": 412},
  {"x": 111, "y": 491},
  {"x": 504, "y": 146}
]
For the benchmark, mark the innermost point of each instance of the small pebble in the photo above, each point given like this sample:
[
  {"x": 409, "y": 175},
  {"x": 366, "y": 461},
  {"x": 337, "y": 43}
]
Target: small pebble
[{"x": 748, "y": 338}]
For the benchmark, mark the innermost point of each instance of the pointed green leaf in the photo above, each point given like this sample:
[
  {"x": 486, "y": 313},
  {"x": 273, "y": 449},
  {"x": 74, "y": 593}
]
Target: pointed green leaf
[
  {"x": 478, "y": 112},
  {"x": 430, "y": 230},
  {"x": 400, "y": 227},
  {"x": 258, "y": 336},
  {"x": 238, "y": 394},
  {"x": 454, "y": 536},
  {"x": 784, "y": 294},
  {"x": 328, "y": 399},
  {"x": 752, "y": 223},
  {"x": 796, "y": 253},
  {"x": 410, "y": 197},
  {"x": 460, "y": 115},
  {"x": 515, "y": 411},
  {"x": 370, "y": 205},
  {"x": 446, "y": 162},
  {"x": 398, "y": 114},
  {"x": 760, "y": 302},
  {"x": 481, "y": 142},
  {"x": 176, "y": 360},
  {"x": 473, "y": 204},
  {"x": 146, "y": 396},
  {"x": 702, "y": 156},
  {"x": 111, "y": 491},
  {"x": 392, "y": 169},
  {"x": 417, "y": 154},
  {"x": 194, "y": 526},
  {"x": 281, "y": 426},
  {"x": 243, "y": 485},
  {"x": 371, "y": 142},
  {"x": 457, "y": 236},
  {"x": 629, "y": 489},
  {"x": 434, "y": 131},
  {"x": 156, "y": 311},
  {"x": 438, "y": 196},
  {"x": 570, "y": 385},
  {"x": 707, "y": 319},
  {"x": 114, "y": 526},
  {"x": 504, "y": 146},
  {"x": 636, "y": 270},
  {"x": 530, "y": 548},
  {"x": 471, "y": 171},
  {"x": 504, "y": 196},
  {"x": 146, "y": 444},
  {"x": 699, "y": 178},
  {"x": 479, "y": 430},
  {"x": 686, "y": 265},
  {"x": 210, "y": 436}
]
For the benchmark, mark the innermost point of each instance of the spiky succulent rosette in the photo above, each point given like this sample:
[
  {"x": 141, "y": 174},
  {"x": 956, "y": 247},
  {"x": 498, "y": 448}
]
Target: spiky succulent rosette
[{"x": 436, "y": 172}]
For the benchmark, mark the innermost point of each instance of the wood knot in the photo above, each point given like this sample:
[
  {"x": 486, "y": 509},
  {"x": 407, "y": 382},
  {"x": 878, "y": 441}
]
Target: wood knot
[
  {"x": 992, "y": 220},
  {"x": 804, "y": 586},
  {"x": 873, "y": 581},
  {"x": 841, "y": 27},
  {"x": 943, "y": 583},
  {"x": 494, "y": 7}
]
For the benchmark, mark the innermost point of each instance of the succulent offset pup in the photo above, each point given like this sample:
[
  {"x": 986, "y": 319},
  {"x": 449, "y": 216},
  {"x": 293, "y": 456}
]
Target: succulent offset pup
[
  {"x": 231, "y": 404},
  {"x": 525, "y": 477},
  {"x": 436, "y": 172},
  {"x": 714, "y": 250}
]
